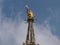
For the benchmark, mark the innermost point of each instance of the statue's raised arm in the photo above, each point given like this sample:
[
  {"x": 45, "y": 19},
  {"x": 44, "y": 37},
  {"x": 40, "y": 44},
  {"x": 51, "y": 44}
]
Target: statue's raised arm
[{"x": 30, "y": 14}]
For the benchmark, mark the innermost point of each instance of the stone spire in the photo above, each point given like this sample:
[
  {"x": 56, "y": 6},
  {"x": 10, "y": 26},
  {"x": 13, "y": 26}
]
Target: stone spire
[{"x": 30, "y": 39}]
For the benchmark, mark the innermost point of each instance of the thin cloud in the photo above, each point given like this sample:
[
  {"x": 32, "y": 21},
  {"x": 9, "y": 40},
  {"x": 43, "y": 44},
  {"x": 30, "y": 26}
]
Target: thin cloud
[{"x": 12, "y": 33}]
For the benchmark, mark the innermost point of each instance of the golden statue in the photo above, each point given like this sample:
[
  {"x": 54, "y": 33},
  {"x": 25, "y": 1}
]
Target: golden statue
[{"x": 30, "y": 14}]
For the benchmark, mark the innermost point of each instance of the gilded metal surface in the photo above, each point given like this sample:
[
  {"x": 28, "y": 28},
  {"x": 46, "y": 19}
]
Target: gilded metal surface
[{"x": 30, "y": 14}]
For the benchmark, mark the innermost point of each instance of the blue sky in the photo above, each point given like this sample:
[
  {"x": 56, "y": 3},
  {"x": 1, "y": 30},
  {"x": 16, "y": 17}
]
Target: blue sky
[
  {"x": 47, "y": 12},
  {"x": 42, "y": 9}
]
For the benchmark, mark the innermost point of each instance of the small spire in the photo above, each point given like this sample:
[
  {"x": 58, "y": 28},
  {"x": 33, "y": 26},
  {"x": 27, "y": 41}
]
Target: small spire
[{"x": 30, "y": 39}]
